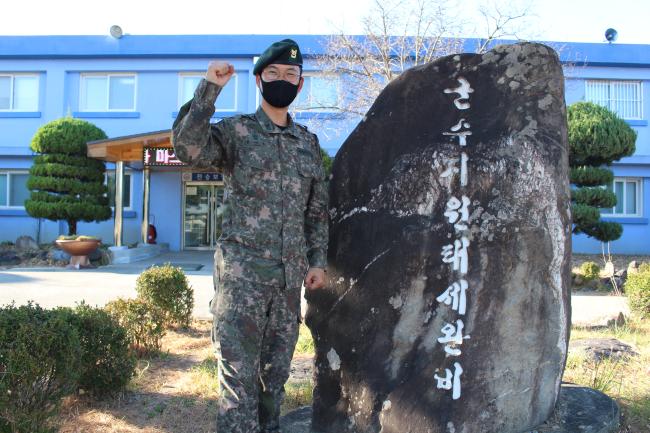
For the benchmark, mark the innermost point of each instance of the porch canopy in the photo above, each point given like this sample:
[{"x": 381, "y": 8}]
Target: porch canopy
[{"x": 129, "y": 149}]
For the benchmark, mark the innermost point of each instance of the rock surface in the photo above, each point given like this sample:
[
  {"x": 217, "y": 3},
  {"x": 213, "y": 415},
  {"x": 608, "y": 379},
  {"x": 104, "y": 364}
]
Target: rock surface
[
  {"x": 8, "y": 258},
  {"x": 582, "y": 410},
  {"x": 26, "y": 243},
  {"x": 578, "y": 409},
  {"x": 601, "y": 348},
  {"x": 456, "y": 178},
  {"x": 57, "y": 254}
]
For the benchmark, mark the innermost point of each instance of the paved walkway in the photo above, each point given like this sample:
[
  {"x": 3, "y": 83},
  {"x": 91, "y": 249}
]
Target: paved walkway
[
  {"x": 52, "y": 287},
  {"x": 597, "y": 309}
]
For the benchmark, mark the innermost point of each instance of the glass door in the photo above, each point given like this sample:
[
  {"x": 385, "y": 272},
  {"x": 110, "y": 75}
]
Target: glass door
[{"x": 201, "y": 215}]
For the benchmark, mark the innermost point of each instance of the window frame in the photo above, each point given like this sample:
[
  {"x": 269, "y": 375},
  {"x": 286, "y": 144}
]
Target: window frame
[
  {"x": 13, "y": 76},
  {"x": 639, "y": 198},
  {"x": 108, "y": 75},
  {"x": 325, "y": 109},
  {"x": 234, "y": 83},
  {"x": 8, "y": 192},
  {"x": 130, "y": 186},
  {"x": 610, "y": 83}
]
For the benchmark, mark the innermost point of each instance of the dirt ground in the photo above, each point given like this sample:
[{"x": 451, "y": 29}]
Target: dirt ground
[
  {"x": 176, "y": 392},
  {"x": 621, "y": 261},
  {"x": 173, "y": 393}
]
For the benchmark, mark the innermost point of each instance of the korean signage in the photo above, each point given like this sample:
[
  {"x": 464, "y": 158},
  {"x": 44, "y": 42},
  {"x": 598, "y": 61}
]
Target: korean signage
[
  {"x": 215, "y": 177},
  {"x": 202, "y": 177},
  {"x": 160, "y": 156},
  {"x": 456, "y": 254}
]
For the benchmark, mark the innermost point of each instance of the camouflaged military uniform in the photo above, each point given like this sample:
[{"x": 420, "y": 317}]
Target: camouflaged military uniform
[{"x": 274, "y": 226}]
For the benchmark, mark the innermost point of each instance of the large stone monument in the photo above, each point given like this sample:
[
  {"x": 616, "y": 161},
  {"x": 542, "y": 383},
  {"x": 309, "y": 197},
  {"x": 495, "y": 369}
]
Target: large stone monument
[{"x": 447, "y": 308}]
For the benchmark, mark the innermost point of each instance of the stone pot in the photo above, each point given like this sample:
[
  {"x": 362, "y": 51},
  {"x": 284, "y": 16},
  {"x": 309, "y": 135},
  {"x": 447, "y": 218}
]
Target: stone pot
[{"x": 78, "y": 250}]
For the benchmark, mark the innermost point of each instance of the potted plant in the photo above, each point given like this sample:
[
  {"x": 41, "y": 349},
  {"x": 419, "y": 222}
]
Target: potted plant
[{"x": 79, "y": 248}]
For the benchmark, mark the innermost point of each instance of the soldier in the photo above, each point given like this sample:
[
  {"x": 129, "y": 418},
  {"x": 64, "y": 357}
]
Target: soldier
[{"x": 274, "y": 230}]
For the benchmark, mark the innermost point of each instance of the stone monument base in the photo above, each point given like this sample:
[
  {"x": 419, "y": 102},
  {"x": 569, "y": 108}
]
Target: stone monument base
[{"x": 579, "y": 409}]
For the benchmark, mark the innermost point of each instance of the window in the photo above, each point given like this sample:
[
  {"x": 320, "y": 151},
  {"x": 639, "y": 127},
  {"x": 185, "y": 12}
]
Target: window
[
  {"x": 13, "y": 189},
  {"x": 628, "y": 197},
  {"x": 227, "y": 100},
  {"x": 18, "y": 92},
  {"x": 319, "y": 93},
  {"x": 107, "y": 92},
  {"x": 109, "y": 180},
  {"x": 622, "y": 97}
]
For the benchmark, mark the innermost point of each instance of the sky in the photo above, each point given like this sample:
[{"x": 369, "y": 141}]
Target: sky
[{"x": 550, "y": 20}]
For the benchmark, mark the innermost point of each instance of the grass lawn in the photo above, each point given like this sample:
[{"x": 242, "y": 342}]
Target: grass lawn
[
  {"x": 176, "y": 391},
  {"x": 625, "y": 380}
]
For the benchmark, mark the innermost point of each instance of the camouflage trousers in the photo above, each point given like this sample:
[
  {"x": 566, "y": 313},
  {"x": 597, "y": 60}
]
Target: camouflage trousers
[{"x": 254, "y": 333}]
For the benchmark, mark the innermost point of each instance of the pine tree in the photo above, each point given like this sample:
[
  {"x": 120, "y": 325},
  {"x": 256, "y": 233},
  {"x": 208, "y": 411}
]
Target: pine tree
[
  {"x": 597, "y": 137},
  {"x": 65, "y": 184}
]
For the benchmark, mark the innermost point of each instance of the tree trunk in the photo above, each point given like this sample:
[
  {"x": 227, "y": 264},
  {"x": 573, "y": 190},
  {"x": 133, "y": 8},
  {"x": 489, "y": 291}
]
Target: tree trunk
[{"x": 72, "y": 227}]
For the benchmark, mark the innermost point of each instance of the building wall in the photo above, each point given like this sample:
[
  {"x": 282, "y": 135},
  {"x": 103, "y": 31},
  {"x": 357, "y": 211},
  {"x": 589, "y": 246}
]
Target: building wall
[
  {"x": 636, "y": 230},
  {"x": 166, "y": 207},
  {"x": 157, "y": 101},
  {"x": 158, "y": 62}
]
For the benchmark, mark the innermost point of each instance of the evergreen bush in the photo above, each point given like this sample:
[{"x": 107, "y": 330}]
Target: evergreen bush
[
  {"x": 144, "y": 323},
  {"x": 40, "y": 356},
  {"x": 167, "y": 288},
  {"x": 107, "y": 363},
  {"x": 597, "y": 137},
  {"x": 65, "y": 184},
  {"x": 590, "y": 271},
  {"x": 637, "y": 289}
]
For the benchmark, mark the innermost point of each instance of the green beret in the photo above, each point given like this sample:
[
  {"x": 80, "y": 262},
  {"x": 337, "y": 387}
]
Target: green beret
[{"x": 285, "y": 52}]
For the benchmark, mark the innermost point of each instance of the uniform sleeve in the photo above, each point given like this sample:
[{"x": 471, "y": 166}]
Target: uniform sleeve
[
  {"x": 316, "y": 216},
  {"x": 196, "y": 141}
]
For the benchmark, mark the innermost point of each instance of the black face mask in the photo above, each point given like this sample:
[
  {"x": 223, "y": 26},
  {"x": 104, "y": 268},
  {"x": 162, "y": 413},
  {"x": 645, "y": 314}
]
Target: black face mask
[{"x": 279, "y": 93}]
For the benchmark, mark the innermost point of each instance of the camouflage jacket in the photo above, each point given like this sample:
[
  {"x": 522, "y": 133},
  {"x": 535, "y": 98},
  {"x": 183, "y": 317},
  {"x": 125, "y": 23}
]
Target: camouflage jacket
[{"x": 275, "y": 196}]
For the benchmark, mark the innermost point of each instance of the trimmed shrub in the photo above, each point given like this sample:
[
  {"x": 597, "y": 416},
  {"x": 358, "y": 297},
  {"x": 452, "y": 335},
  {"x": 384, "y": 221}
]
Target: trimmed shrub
[
  {"x": 65, "y": 184},
  {"x": 637, "y": 288},
  {"x": 590, "y": 270},
  {"x": 107, "y": 363},
  {"x": 39, "y": 363},
  {"x": 597, "y": 137},
  {"x": 143, "y": 322},
  {"x": 167, "y": 288},
  {"x": 591, "y": 176}
]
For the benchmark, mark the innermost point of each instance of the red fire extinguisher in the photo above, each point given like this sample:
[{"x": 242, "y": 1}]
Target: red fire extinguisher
[{"x": 151, "y": 232}]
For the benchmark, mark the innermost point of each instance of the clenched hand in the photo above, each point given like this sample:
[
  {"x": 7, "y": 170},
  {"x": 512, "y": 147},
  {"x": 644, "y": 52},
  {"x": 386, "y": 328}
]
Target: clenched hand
[
  {"x": 315, "y": 278},
  {"x": 219, "y": 72}
]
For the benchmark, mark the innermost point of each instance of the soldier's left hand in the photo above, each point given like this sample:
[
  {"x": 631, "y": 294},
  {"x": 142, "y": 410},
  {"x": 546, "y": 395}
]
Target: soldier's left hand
[{"x": 315, "y": 278}]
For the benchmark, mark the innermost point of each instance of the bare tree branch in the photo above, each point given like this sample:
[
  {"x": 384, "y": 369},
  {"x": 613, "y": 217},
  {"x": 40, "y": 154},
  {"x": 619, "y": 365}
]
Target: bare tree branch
[{"x": 400, "y": 34}]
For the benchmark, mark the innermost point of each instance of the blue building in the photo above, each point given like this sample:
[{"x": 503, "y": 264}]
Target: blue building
[{"x": 132, "y": 87}]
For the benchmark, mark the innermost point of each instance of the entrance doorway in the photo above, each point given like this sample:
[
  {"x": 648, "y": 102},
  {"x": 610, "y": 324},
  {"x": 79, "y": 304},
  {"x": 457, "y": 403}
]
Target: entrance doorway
[{"x": 202, "y": 203}]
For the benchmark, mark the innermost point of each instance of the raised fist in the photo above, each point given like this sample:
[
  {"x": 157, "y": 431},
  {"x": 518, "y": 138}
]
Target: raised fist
[{"x": 219, "y": 72}]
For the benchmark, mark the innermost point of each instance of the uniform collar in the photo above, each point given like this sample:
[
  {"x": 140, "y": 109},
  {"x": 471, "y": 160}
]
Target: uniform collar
[{"x": 267, "y": 124}]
